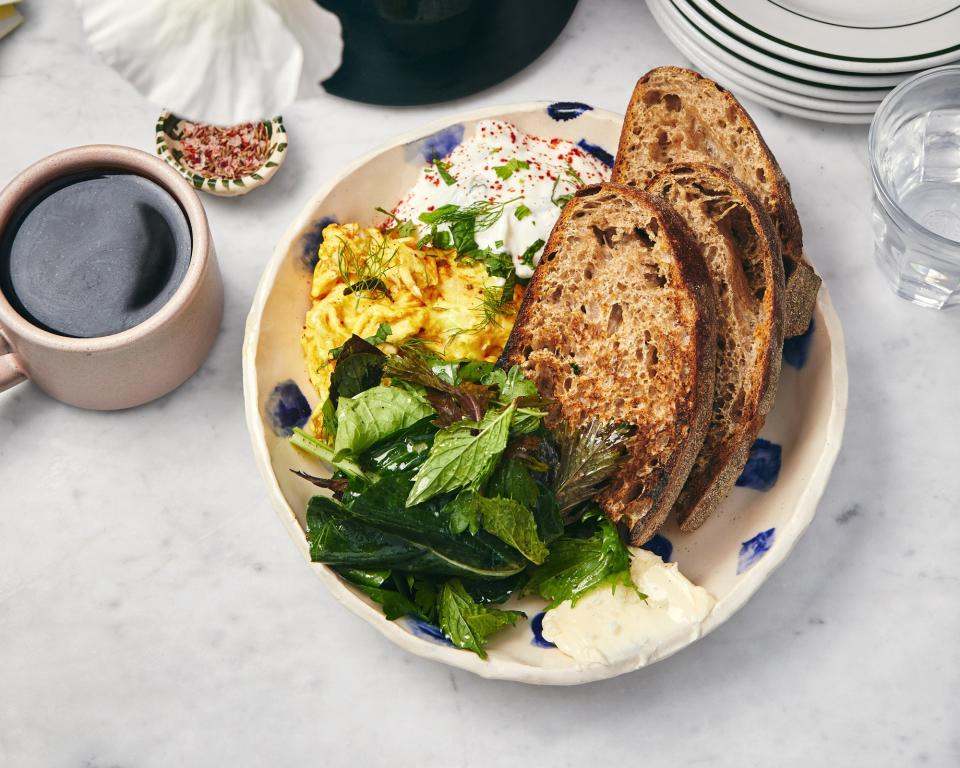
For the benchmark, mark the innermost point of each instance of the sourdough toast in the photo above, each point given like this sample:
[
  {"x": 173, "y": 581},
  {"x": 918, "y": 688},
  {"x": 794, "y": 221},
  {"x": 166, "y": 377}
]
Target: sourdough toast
[
  {"x": 742, "y": 254},
  {"x": 677, "y": 115},
  {"x": 618, "y": 324}
]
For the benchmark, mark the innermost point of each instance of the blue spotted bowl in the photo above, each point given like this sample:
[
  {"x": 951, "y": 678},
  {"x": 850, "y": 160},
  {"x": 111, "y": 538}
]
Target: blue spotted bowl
[{"x": 731, "y": 555}]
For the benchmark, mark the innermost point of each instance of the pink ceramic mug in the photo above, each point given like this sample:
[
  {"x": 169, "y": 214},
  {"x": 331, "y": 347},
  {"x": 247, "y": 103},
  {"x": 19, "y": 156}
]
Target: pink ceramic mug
[{"x": 141, "y": 363}]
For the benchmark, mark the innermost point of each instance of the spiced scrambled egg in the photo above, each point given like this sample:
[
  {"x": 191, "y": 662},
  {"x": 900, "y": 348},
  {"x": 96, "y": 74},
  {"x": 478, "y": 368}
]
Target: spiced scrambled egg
[{"x": 365, "y": 278}]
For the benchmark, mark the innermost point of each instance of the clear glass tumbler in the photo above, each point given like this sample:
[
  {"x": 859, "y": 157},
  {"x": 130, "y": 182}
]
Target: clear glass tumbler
[{"x": 915, "y": 160}]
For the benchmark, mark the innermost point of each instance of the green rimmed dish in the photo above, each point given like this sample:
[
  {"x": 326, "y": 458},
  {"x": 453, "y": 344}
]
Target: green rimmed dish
[{"x": 170, "y": 147}]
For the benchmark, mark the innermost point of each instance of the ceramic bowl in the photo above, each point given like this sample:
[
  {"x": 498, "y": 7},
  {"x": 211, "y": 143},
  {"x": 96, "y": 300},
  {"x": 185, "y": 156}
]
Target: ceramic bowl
[
  {"x": 731, "y": 555},
  {"x": 169, "y": 148}
]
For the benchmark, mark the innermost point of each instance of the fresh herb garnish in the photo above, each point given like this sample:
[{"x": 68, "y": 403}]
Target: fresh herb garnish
[
  {"x": 443, "y": 170},
  {"x": 467, "y": 623},
  {"x": 510, "y": 167},
  {"x": 589, "y": 455},
  {"x": 565, "y": 187},
  {"x": 575, "y": 368},
  {"x": 373, "y": 415},
  {"x": 522, "y": 212},
  {"x": 364, "y": 273},
  {"x": 380, "y": 337},
  {"x": 575, "y": 566},
  {"x": 508, "y": 520},
  {"x": 451, "y": 401},
  {"x": 463, "y": 455},
  {"x": 359, "y": 367},
  {"x": 528, "y": 256},
  {"x": 399, "y": 228}
]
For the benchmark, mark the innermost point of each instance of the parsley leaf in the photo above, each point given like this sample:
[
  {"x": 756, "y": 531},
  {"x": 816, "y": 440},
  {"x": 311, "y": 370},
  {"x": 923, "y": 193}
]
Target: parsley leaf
[
  {"x": 576, "y": 566},
  {"x": 508, "y": 520},
  {"x": 528, "y": 256},
  {"x": 522, "y": 212},
  {"x": 510, "y": 167},
  {"x": 443, "y": 170},
  {"x": 468, "y": 624},
  {"x": 589, "y": 455},
  {"x": 373, "y": 415},
  {"x": 463, "y": 455}
]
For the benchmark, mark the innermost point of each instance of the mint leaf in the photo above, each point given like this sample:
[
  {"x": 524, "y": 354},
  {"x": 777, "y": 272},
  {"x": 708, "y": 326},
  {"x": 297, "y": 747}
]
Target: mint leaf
[
  {"x": 576, "y": 566},
  {"x": 528, "y": 256},
  {"x": 510, "y": 167},
  {"x": 589, "y": 455},
  {"x": 463, "y": 455},
  {"x": 522, "y": 212},
  {"x": 377, "y": 585},
  {"x": 373, "y": 415},
  {"x": 443, "y": 170},
  {"x": 509, "y": 521},
  {"x": 512, "y": 383},
  {"x": 468, "y": 624}
]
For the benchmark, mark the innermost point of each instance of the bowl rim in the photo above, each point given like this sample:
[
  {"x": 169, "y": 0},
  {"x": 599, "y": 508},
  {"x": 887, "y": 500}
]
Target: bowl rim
[
  {"x": 218, "y": 185},
  {"x": 747, "y": 585}
]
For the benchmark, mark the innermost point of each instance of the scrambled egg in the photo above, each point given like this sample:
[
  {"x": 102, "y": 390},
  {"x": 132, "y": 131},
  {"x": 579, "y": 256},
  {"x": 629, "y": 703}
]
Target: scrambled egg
[{"x": 365, "y": 277}]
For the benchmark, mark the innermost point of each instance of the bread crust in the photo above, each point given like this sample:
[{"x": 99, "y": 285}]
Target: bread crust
[
  {"x": 732, "y": 433},
  {"x": 802, "y": 282},
  {"x": 639, "y": 497}
]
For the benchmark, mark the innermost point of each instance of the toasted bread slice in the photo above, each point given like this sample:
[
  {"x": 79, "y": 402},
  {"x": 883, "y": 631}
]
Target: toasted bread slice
[
  {"x": 677, "y": 115},
  {"x": 618, "y": 324},
  {"x": 742, "y": 254}
]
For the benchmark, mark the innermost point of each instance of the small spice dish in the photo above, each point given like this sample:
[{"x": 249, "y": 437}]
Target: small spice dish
[{"x": 224, "y": 161}]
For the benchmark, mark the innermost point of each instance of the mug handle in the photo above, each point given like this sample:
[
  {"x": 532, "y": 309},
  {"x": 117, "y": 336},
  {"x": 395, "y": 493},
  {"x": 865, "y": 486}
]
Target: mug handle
[{"x": 11, "y": 373}]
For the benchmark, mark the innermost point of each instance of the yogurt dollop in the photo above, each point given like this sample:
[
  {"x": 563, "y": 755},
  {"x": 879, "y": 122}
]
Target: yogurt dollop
[
  {"x": 501, "y": 163},
  {"x": 607, "y": 626}
]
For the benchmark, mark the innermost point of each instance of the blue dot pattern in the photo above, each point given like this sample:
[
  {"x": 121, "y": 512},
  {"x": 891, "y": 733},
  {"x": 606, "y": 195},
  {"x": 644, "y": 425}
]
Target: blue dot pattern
[
  {"x": 763, "y": 466},
  {"x": 427, "y": 631},
  {"x": 797, "y": 350},
  {"x": 597, "y": 151},
  {"x": 661, "y": 546},
  {"x": 286, "y": 408},
  {"x": 441, "y": 143},
  {"x": 536, "y": 626},
  {"x": 313, "y": 239},
  {"x": 567, "y": 110},
  {"x": 753, "y": 549}
]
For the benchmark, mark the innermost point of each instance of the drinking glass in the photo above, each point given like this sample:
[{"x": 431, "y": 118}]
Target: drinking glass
[{"x": 915, "y": 161}]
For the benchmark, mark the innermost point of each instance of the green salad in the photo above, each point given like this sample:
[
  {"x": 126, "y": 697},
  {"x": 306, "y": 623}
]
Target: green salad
[{"x": 449, "y": 495}]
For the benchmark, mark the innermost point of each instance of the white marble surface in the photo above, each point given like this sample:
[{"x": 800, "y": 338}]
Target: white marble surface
[{"x": 154, "y": 613}]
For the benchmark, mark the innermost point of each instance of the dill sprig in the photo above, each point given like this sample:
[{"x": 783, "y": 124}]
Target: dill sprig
[
  {"x": 364, "y": 272},
  {"x": 572, "y": 178},
  {"x": 496, "y": 304},
  {"x": 482, "y": 214}
]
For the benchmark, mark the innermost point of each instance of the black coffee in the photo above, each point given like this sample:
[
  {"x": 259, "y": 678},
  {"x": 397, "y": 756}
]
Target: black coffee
[{"x": 94, "y": 254}]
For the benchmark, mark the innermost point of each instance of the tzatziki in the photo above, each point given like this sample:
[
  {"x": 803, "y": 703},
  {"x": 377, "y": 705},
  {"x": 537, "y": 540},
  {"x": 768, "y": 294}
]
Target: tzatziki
[
  {"x": 533, "y": 176},
  {"x": 607, "y": 625}
]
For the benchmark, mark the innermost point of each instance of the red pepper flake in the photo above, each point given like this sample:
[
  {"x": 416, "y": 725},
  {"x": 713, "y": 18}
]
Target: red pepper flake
[{"x": 227, "y": 153}]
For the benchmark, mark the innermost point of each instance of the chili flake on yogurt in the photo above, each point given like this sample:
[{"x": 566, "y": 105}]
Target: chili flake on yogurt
[{"x": 532, "y": 177}]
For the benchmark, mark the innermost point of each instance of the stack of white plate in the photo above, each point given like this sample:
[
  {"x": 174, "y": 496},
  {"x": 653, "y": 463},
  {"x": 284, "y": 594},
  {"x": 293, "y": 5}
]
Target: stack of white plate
[{"x": 820, "y": 59}]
